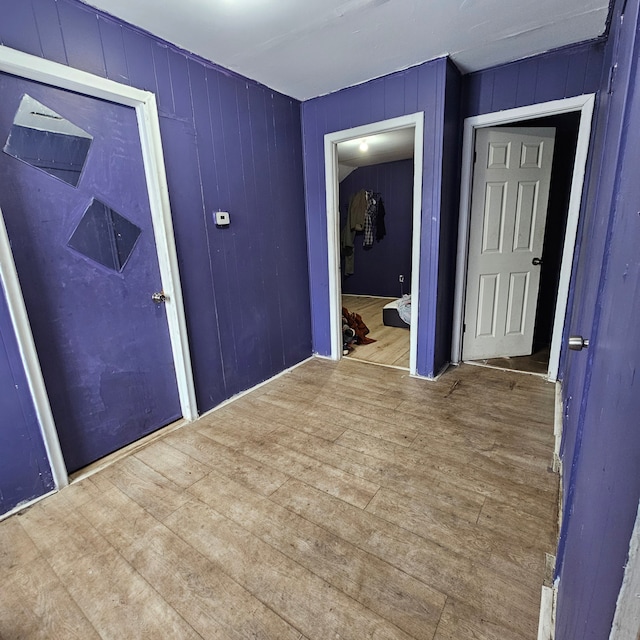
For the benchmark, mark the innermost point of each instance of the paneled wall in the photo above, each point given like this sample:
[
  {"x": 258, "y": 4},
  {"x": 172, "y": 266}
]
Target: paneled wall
[
  {"x": 601, "y": 452},
  {"x": 449, "y": 214},
  {"x": 420, "y": 88},
  {"x": 229, "y": 144},
  {"x": 561, "y": 73},
  {"x": 377, "y": 269}
]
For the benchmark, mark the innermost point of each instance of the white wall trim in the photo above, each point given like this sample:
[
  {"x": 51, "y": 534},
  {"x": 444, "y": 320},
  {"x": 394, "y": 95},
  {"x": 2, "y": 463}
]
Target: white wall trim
[
  {"x": 58, "y": 75},
  {"x": 584, "y": 104},
  {"x": 558, "y": 427},
  {"x": 29, "y": 357},
  {"x": 626, "y": 622},
  {"x": 331, "y": 140},
  {"x": 546, "y": 620},
  {"x": 25, "y": 505}
]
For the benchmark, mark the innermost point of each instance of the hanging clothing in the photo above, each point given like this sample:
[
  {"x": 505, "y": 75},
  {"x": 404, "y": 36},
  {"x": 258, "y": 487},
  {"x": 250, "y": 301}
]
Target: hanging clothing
[
  {"x": 381, "y": 230},
  {"x": 370, "y": 220},
  {"x": 355, "y": 222}
]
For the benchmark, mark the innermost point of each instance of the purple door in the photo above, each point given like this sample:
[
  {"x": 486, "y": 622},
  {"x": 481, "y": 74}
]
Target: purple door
[{"x": 74, "y": 199}]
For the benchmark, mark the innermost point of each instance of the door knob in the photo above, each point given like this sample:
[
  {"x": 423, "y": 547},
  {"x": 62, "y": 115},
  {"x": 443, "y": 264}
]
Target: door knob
[
  {"x": 578, "y": 343},
  {"x": 159, "y": 296},
  {"x": 536, "y": 262}
]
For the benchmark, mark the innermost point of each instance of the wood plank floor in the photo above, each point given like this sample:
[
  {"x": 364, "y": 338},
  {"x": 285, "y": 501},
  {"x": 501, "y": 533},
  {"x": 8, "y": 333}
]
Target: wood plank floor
[
  {"x": 537, "y": 362},
  {"x": 340, "y": 500},
  {"x": 392, "y": 343}
]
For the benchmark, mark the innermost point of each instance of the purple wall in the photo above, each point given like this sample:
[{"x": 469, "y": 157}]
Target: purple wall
[
  {"x": 449, "y": 214},
  {"x": 602, "y": 442},
  {"x": 229, "y": 144},
  {"x": 562, "y": 73},
  {"x": 377, "y": 269},
  {"x": 420, "y": 88}
]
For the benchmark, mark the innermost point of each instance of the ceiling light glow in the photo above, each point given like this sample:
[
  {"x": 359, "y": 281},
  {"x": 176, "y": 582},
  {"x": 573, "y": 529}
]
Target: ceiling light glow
[{"x": 364, "y": 146}]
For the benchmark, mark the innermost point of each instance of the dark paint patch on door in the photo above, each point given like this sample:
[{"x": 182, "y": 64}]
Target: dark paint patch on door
[{"x": 102, "y": 342}]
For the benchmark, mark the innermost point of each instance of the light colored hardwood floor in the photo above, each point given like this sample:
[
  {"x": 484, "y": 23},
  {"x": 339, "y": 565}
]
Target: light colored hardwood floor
[
  {"x": 392, "y": 343},
  {"x": 337, "y": 501},
  {"x": 537, "y": 362}
]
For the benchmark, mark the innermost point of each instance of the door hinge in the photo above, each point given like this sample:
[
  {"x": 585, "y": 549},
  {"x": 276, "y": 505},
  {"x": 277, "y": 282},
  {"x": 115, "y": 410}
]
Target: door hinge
[
  {"x": 612, "y": 76},
  {"x": 464, "y": 327}
]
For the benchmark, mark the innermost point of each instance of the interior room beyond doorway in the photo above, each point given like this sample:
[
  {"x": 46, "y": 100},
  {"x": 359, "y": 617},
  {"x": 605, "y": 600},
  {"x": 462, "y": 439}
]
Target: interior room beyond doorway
[
  {"x": 376, "y": 186},
  {"x": 391, "y": 346}
]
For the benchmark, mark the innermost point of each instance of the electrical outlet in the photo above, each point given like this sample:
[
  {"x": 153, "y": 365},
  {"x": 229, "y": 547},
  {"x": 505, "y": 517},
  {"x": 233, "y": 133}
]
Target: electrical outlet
[{"x": 400, "y": 278}]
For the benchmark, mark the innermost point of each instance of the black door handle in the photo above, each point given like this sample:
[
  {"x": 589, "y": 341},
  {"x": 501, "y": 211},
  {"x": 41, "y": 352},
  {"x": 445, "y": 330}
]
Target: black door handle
[{"x": 536, "y": 262}]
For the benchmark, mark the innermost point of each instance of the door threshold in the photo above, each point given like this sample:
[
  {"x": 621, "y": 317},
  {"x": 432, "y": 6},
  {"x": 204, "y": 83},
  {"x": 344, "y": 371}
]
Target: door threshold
[
  {"x": 486, "y": 365},
  {"x": 377, "y": 364},
  {"x": 118, "y": 455}
]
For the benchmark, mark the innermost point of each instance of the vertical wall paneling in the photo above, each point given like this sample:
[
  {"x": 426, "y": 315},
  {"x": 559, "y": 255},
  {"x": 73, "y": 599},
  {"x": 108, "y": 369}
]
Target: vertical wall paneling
[
  {"x": 115, "y": 59},
  {"x": 180, "y": 87},
  {"x": 230, "y": 144},
  {"x": 562, "y": 73},
  {"x": 424, "y": 88},
  {"x": 449, "y": 213},
  {"x": 164, "y": 94},
  {"x": 82, "y": 41},
  {"x": 591, "y": 246},
  {"x": 602, "y": 442},
  {"x": 51, "y": 42},
  {"x": 139, "y": 57},
  {"x": 19, "y": 28},
  {"x": 377, "y": 268}
]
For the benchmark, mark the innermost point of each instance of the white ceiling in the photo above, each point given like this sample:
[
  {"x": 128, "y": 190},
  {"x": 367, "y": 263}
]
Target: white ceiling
[
  {"x": 306, "y": 48},
  {"x": 381, "y": 147}
]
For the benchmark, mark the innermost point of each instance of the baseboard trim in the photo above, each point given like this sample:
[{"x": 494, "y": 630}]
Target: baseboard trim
[
  {"x": 547, "y": 619},
  {"x": 557, "y": 428},
  {"x": 25, "y": 505},
  {"x": 239, "y": 395}
]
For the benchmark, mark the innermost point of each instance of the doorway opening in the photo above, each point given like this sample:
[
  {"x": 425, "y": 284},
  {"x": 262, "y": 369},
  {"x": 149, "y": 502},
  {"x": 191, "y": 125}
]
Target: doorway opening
[
  {"x": 572, "y": 120},
  {"x": 372, "y": 279},
  {"x": 376, "y": 261}
]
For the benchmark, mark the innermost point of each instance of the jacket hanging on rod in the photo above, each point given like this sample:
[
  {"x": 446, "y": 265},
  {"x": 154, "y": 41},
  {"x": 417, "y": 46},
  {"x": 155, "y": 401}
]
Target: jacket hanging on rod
[{"x": 366, "y": 213}]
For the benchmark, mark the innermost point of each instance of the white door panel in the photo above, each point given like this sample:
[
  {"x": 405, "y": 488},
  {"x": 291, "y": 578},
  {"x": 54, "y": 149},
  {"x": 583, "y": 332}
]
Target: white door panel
[{"x": 510, "y": 193}]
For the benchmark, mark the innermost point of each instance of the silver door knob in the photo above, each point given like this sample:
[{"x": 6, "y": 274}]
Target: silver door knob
[
  {"x": 578, "y": 343},
  {"x": 159, "y": 296}
]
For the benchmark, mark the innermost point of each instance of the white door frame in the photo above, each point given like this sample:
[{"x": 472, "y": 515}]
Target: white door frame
[
  {"x": 57, "y": 75},
  {"x": 331, "y": 140},
  {"x": 585, "y": 105}
]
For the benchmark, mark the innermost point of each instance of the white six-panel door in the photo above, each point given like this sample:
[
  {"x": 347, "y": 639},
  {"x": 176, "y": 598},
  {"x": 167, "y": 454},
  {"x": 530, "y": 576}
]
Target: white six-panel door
[{"x": 510, "y": 193}]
